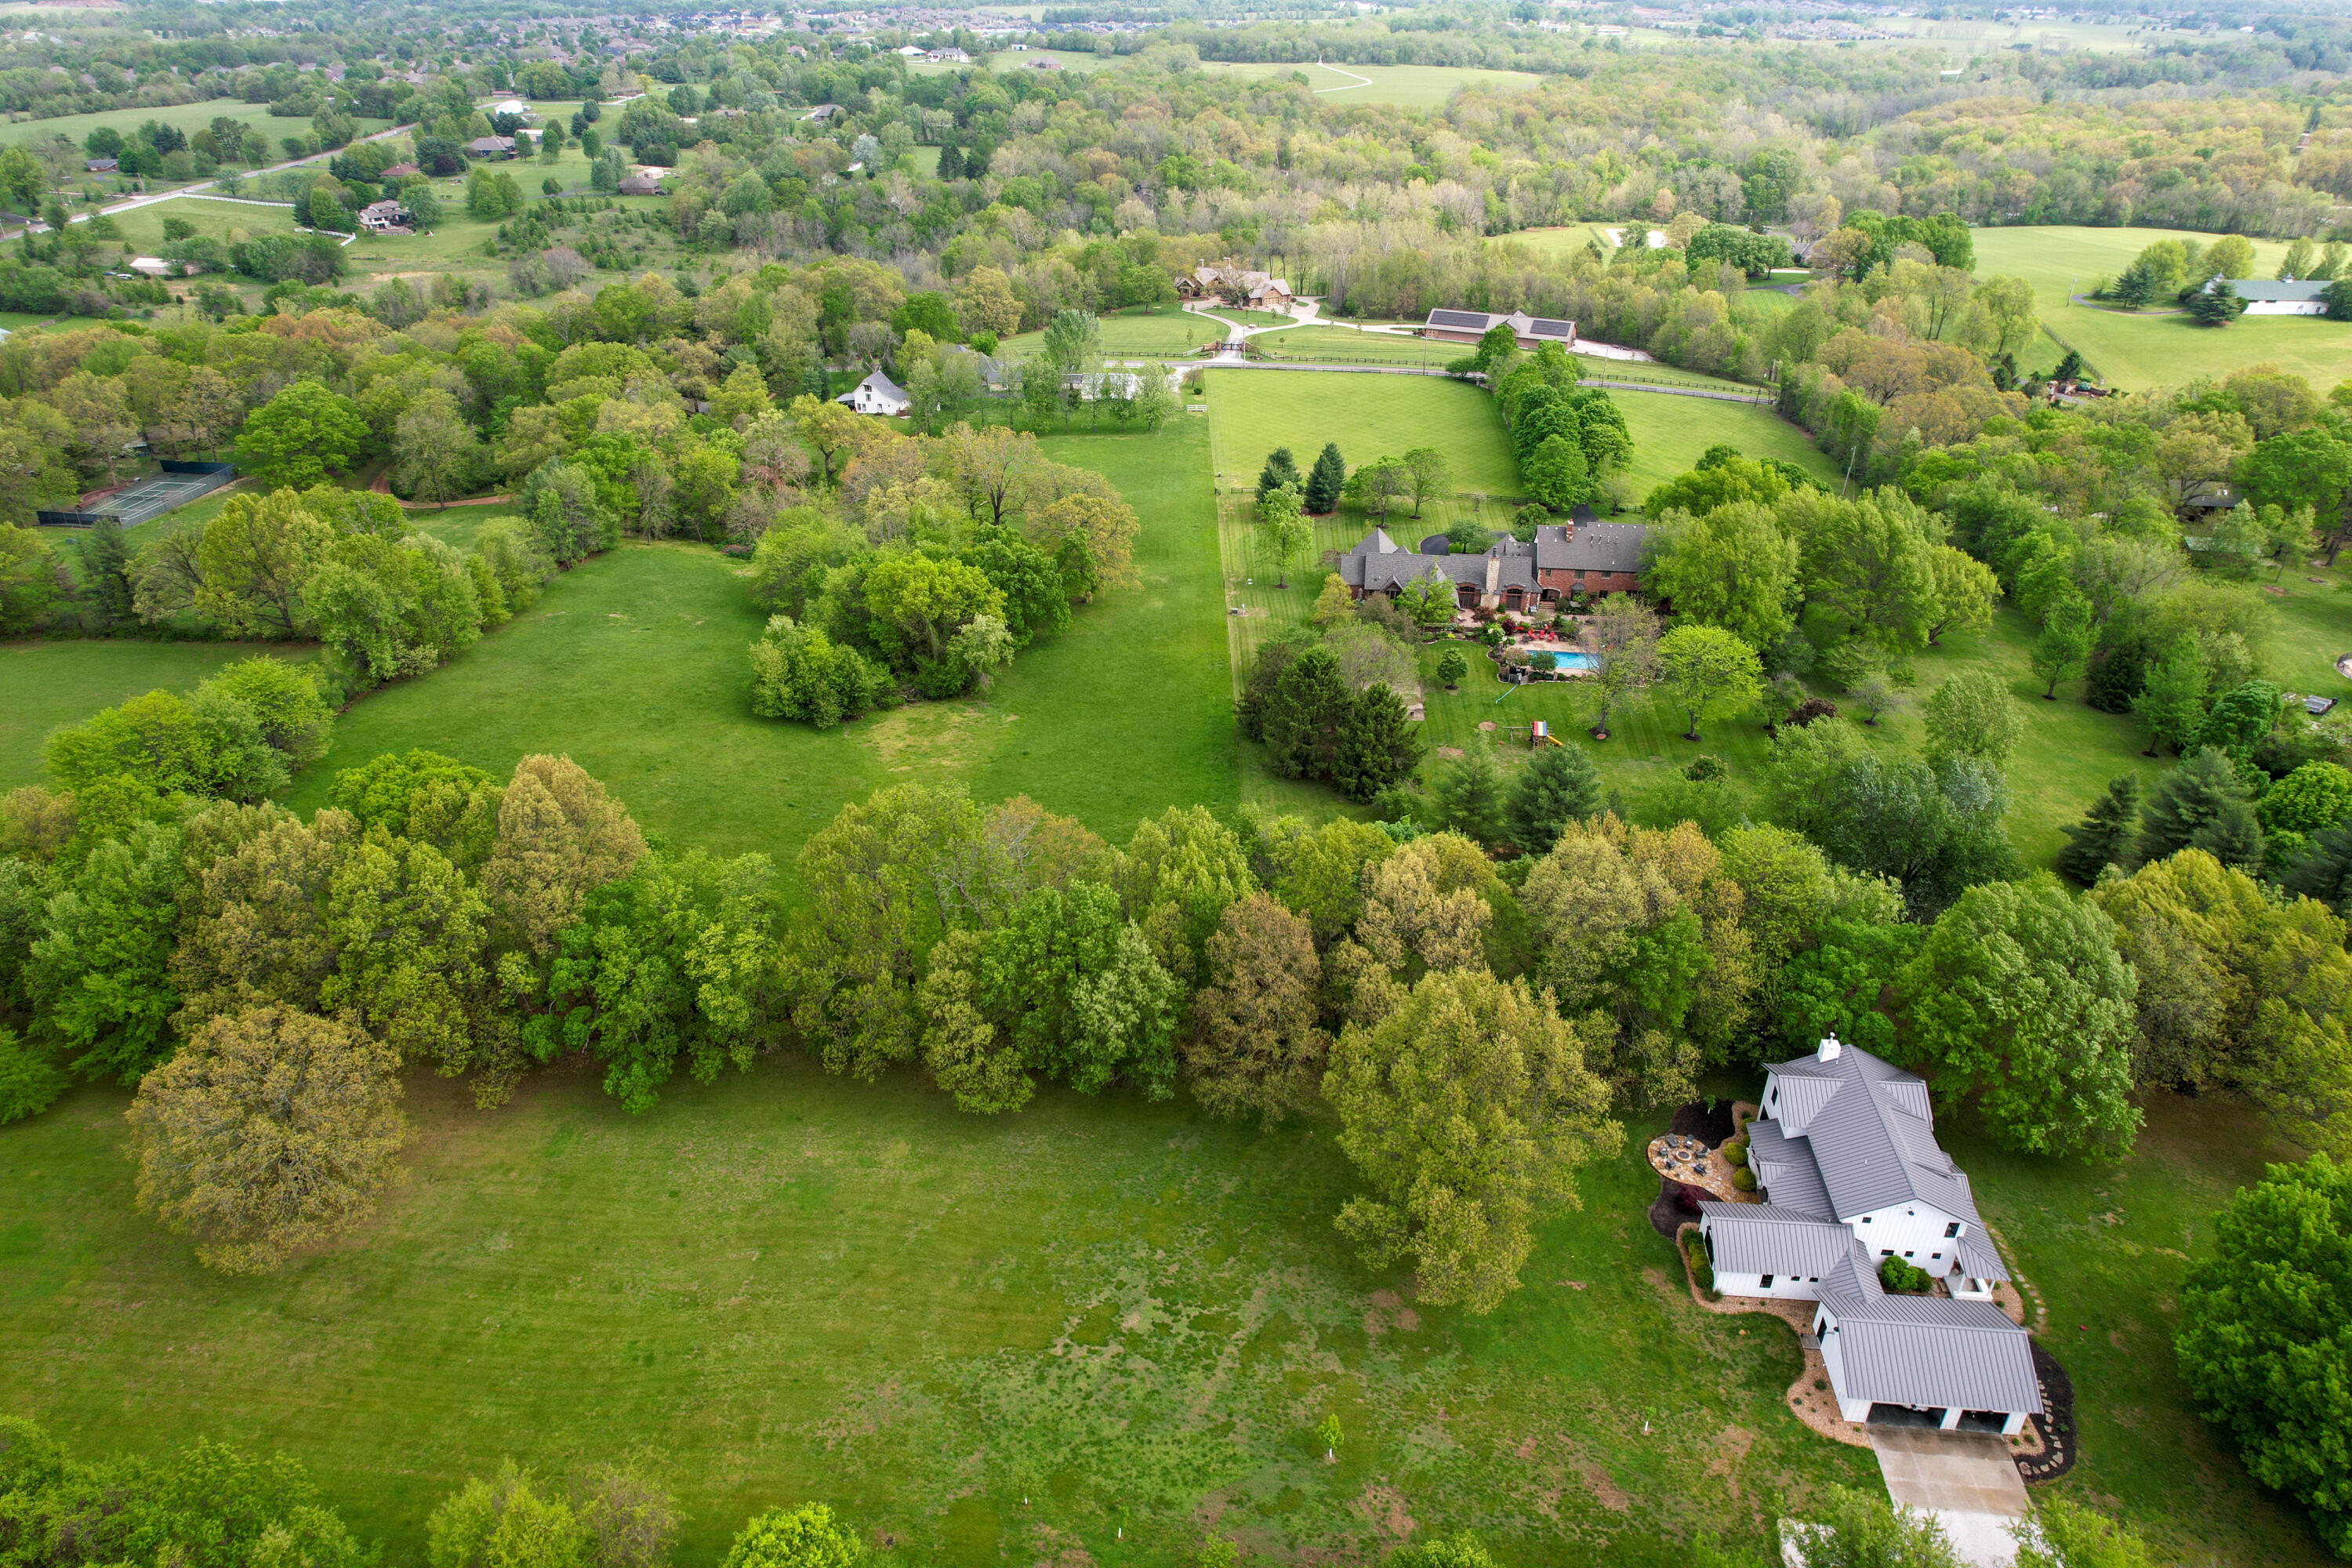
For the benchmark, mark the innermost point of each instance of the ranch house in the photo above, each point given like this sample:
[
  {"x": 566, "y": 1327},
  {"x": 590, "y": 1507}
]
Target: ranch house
[
  {"x": 1469, "y": 326},
  {"x": 2279, "y": 297},
  {"x": 1850, "y": 1173},
  {"x": 1512, "y": 574}
]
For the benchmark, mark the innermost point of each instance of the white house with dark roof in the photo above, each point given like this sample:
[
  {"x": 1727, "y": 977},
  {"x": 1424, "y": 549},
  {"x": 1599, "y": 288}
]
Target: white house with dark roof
[{"x": 1846, "y": 1160}]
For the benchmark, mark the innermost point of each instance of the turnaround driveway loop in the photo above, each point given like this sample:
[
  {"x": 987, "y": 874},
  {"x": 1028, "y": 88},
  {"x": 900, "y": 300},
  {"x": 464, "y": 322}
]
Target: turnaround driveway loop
[{"x": 1967, "y": 1480}]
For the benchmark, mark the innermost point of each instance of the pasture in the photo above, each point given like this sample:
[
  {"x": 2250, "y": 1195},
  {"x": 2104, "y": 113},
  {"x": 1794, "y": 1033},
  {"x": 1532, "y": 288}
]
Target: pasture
[
  {"x": 1122, "y": 715},
  {"x": 2137, "y": 349},
  {"x": 1251, "y": 411},
  {"x": 1670, "y": 435},
  {"x": 183, "y": 117},
  {"x": 1138, "y": 332}
]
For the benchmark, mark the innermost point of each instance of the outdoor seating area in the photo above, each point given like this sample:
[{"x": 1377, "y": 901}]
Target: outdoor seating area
[{"x": 1680, "y": 1157}]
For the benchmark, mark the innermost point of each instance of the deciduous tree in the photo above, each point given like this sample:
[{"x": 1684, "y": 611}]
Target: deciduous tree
[
  {"x": 2018, "y": 998},
  {"x": 1468, "y": 1111},
  {"x": 1708, "y": 673},
  {"x": 1254, "y": 1047},
  {"x": 270, "y": 1131}
]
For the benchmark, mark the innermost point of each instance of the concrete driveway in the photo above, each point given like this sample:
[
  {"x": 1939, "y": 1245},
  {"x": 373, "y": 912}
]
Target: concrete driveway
[{"x": 1967, "y": 1480}]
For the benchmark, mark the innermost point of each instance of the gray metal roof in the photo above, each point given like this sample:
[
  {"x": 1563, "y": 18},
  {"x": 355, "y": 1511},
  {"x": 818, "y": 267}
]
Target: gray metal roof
[
  {"x": 1926, "y": 1351},
  {"x": 1765, "y": 1238},
  {"x": 1784, "y": 1168},
  {"x": 1462, "y": 321},
  {"x": 2302, "y": 291},
  {"x": 1871, "y": 1134}
]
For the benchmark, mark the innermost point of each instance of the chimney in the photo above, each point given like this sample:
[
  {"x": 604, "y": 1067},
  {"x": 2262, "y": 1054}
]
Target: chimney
[{"x": 1830, "y": 1049}]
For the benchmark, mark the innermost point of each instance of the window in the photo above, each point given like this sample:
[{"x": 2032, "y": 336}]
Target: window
[
  {"x": 1767, "y": 1284},
  {"x": 1865, "y": 1219},
  {"x": 1952, "y": 1229},
  {"x": 1812, "y": 1279},
  {"x": 1886, "y": 1252},
  {"x": 1935, "y": 1258},
  {"x": 1908, "y": 1254}
]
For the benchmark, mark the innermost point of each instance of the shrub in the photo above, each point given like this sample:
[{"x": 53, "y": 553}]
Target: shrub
[
  {"x": 1811, "y": 709},
  {"x": 30, "y": 1082},
  {"x": 1744, "y": 1179},
  {"x": 1695, "y": 1250},
  {"x": 1902, "y": 1277},
  {"x": 1736, "y": 1151}
]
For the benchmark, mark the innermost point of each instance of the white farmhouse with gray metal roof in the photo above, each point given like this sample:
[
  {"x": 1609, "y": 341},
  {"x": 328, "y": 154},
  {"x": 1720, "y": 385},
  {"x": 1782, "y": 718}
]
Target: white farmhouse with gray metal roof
[
  {"x": 1845, "y": 1157},
  {"x": 2279, "y": 297}
]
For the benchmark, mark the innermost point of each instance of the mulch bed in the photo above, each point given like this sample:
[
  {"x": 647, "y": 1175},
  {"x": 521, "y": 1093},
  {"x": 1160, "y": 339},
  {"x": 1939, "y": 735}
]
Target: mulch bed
[
  {"x": 2056, "y": 1421},
  {"x": 1667, "y": 1215},
  {"x": 1710, "y": 1124}
]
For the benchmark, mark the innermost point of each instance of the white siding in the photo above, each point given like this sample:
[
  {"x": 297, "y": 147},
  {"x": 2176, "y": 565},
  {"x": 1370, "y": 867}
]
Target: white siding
[
  {"x": 1914, "y": 1228},
  {"x": 1784, "y": 1286},
  {"x": 2286, "y": 308}
]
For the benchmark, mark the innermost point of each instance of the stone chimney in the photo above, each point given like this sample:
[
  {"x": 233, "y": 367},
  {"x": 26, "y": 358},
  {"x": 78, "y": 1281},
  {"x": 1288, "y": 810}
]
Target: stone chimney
[{"x": 1830, "y": 1049}]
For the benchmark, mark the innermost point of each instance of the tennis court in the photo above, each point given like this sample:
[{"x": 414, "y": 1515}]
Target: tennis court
[
  {"x": 152, "y": 498},
  {"x": 179, "y": 484}
]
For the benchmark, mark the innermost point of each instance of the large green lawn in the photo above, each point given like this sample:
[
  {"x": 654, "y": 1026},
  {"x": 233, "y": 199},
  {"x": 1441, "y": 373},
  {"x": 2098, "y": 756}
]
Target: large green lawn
[
  {"x": 184, "y": 117},
  {"x": 1000, "y": 1339},
  {"x": 1092, "y": 1326},
  {"x": 634, "y": 663},
  {"x": 2134, "y": 351},
  {"x": 44, "y": 685},
  {"x": 1252, "y": 412},
  {"x": 1138, "y": 332},
  {"x": 1670, "y": 434}
]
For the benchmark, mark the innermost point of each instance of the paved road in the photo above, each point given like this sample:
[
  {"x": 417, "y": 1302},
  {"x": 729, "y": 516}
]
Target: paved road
[{"x": 203, "y": 187}]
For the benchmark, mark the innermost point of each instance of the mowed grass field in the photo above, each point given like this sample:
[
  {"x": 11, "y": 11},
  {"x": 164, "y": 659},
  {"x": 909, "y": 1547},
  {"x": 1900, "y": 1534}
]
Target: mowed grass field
[
  {"x": 1670, "y": 434},
  {"x": 1252, "y": 412},
  {"x": 1140, "y": 332},
  {"x": 2137, "y": 349},
  {"x": 1127, "y": 713},
  {"x": 183, "y": 116},
  {"x": 1096, "y": 1326},
  {"x": 44, "y": 685}
]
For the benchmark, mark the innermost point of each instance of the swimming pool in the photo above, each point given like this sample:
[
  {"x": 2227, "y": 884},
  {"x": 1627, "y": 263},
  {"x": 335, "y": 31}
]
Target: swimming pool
[{"x": 1570, "y": 660}]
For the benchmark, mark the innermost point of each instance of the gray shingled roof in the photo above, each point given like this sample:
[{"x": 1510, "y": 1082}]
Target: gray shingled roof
[
  {"x": 1765, "y": 1238},
  {"x": 1871, "y": 1134},
  {"x": 1592, "y": 547},
  {"x": 1377, "y": 562}
]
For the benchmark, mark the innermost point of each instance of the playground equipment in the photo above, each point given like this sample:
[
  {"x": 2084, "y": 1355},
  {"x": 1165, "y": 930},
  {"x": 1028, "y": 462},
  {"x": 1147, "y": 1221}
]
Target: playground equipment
[{"x": 1538, "y": 734}]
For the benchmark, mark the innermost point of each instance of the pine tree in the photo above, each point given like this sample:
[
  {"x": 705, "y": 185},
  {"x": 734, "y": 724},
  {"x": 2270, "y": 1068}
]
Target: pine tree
[
  {"x": 1281, "y": 468},
  {"x": 2201, "y": 805},
  {"x": 2118, "y": 674},
  {"x": 1303, "y": 718},
  {"x": 2326, "y": 870},
  {"x": 1379, "y": 747},
  {"x": 951, "y": 162},
  {"x": 2104, "y": 837},
  {"x": 1469, "y": 795},
  {"x": 1558, "y": 785},
  {"x": 105, "y": 568},
  {"x": 1325, "y": 483}
]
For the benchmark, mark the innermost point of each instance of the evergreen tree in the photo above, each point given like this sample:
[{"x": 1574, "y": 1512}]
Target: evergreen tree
[
  {"x": 1325, "y": 483},
  {"x": 1302, "y": 720},
  {"x": 1469, "y": 795},
  {"x": 1280, "y": 469},
  {"x": 951, "y": 162},
  {"x": 1379, "y": 747},
  {"x": 106, "y": 581},
  {"x": 1558, "y": 785},
  {"x": 2325, "y": 872},
  {"x": 2104, "y": 837},
  {"x": 2202, "y": 804},
  {"x": 2118, "y": 674}
]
